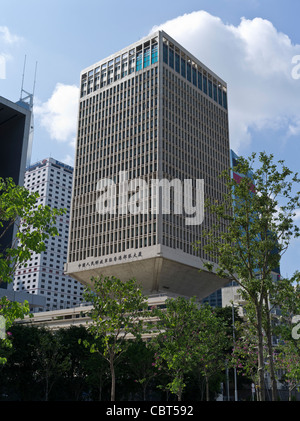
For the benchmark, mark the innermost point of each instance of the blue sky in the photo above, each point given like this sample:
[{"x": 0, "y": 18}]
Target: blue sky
[{"x": 249, "y": 43}]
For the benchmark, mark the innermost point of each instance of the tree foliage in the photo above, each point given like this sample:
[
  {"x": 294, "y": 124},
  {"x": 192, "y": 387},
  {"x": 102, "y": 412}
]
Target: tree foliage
[
  {"x": 33, "y": 224},
  {"x": 254, "y": 227},
  {"x": 117, "y": 313},
  {"x": 189, "y": 336},
  {"x": 9, "y": 312}
]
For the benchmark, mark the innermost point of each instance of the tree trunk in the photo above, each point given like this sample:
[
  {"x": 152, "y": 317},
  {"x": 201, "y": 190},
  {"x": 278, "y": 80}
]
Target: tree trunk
[
  {"x": 100, "y": 387},
  {"x": 207, "y": 388},
  {"x": 46, "y": 389},
  {"x": 145, "y": 386},
  {"x": 113, "y": 380},
  {"x": 261, "y": 362},
  {"x": 47, "y": 376},
  {"x": 270, "y": 352},
  {"x": 179, "y": 395}
]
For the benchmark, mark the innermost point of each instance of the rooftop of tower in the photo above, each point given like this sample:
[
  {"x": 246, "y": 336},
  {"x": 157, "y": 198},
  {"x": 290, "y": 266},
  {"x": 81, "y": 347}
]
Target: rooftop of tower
[{"x": 137, "y": 57}]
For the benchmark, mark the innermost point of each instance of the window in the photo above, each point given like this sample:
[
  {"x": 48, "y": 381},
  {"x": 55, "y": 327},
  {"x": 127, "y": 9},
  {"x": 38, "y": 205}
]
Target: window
[
  {"x": 188, "y": 72},
  {"x": 139, "y": 61},
  {"x": 147, "y": 57},
  {"x": 165, "y": 53},
  {"x": 205, "y": 84},
  {"x": 225, "y": 100},
  {"x": 154, "y": 53},
  {"x": 220, "y": 96},
  {"x": 171, "y": 58},
  {"x": 210, "y": 88},
  {"x": 177, "y": 63},
  {"x": 200, "y": 80},
  {"x": 194, "y": 76},
  {"x": 183, "y": 67},
  {"x": 215, "y": 92}
]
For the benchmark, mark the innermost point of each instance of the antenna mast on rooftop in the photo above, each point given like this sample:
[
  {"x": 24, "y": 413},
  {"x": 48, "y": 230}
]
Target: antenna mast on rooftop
[
  {"x": 25, "y": 96},
  {"x": 26, "y": 101}
]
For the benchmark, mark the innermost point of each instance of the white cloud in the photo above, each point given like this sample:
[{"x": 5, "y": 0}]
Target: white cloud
[
  {"x": 69, "y": 160},
  {"x": 294, "y": 128},
  {"x": 297, "y": 215},
  {"x": 255, "y": 60},
  {"x": 7, "y": 37},
  {"x": 58, "y": 115},
  {"x": 7, "y": 42}
]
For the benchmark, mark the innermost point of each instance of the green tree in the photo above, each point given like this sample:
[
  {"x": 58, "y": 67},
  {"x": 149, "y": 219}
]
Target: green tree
[
  {"x": 254, "y": 226},
  {"x": 51, "y": 360},
  {"x": 73, "y": 379},
  {"x": 245, "y": 351},
  {"x": 189, "y": 336},
  {"x": 117, "y": 315},
  {"x": 17, "y": 377},
  {"x": 45, "y": 364},
  {"x": 174, "y": 343},
  {"x": 33, "y": 225},
  {"x": 98, "y": 372},
  {"x": 37, "y": 361},
  {"x": 139, "y": 359},
  {"x": 286, "y": 298},
  {"x": 9, "y": 311},
  {"x": 288, "y": 360},
  {"x": 212, "y": 342}
]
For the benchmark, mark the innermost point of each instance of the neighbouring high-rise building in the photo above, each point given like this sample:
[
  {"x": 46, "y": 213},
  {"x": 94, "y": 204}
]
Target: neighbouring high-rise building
[
  {"x": 152, "y": 140},
  {"x": 43, "y": 274},
  {"x": 15, "y": 140}
]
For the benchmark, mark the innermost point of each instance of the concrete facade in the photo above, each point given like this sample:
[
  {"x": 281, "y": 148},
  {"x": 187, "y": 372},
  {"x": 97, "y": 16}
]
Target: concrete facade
[
  {"x": 153, "y": 111},
  {"x": 77, "y": 316},
  {"x": 15, "y": 140},
  {"x": 44, "y": 273},
  {"x": 15, "y": 121}
]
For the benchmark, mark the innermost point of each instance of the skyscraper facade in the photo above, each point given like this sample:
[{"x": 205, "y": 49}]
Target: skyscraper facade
[
  {"x": 15, "y": 140},
  {"x": 148, "y": 114},
  {"x": 43, "y": 274},
  {"x": 15, "y": 130}
]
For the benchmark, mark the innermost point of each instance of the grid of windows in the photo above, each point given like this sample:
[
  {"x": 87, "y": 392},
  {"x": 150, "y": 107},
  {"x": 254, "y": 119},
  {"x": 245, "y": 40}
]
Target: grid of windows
[
  {"x": 117, "y": 131},
  {"x": 193, "y": 72},
  {"x": 194, "y": 146},
  {"x": 135, "y": 59},
  {"x": 166, "y": 119},
  {"x": 43, "y": 273}
]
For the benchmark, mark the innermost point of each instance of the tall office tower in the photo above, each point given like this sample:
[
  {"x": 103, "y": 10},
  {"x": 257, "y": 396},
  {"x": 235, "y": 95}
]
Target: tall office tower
[
  {"x": 44, "y": 273},
  {"x": 152, "y": 111},
  {"x": 15, "y": 141}
]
